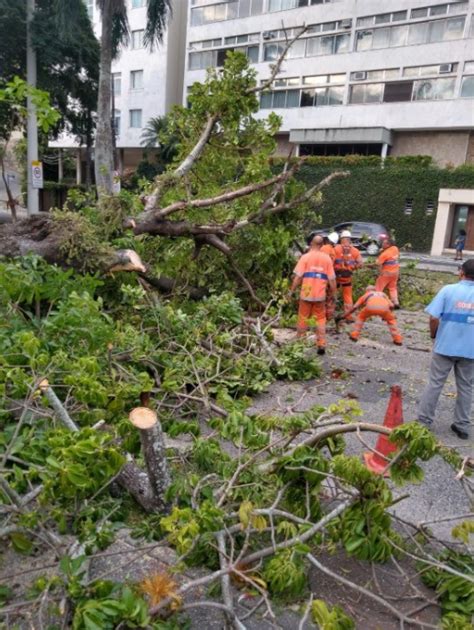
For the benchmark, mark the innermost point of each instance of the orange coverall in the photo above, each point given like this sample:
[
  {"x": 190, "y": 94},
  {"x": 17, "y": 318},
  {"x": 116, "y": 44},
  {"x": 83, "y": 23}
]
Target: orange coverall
[
  {"x": 330, "y": 297},
  {"x": 315, "y": 269},
  {"x": 347, "y": 259},
  {"x": 375, "y": 304},
  {"x": 389, "y": 271}
]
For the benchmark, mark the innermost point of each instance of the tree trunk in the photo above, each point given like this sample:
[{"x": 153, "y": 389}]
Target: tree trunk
[
  {"x": 104, "y": 159},
  {"x": 153, "y": 446},
  {"x": 135, "y": 481}
]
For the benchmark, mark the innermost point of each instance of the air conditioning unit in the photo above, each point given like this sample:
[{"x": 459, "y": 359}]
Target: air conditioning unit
[
  {"x": 268, "y": 35},
  {"x": 346, "y": 23},
  {"x": 359, "y": 76},
  {"x": 445, "y": 68}
]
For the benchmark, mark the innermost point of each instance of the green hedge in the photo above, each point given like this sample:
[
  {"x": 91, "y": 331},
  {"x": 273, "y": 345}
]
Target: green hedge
[{"x": 379, "y": 195}]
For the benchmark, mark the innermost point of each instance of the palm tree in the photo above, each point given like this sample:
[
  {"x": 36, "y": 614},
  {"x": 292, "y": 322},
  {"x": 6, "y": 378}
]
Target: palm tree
[
  {"x": 115, "y": 32},
  {"x": 156, "y": 133}
]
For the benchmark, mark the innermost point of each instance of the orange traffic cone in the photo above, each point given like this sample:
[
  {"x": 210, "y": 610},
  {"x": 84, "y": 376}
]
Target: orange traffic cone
[{"x": 377, "y": 462}]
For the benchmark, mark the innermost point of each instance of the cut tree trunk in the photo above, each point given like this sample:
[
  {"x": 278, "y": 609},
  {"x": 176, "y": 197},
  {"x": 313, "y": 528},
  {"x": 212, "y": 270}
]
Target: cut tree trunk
[
  {"x": 135, "y": 481},
  {"x": 153, "y": 445}
]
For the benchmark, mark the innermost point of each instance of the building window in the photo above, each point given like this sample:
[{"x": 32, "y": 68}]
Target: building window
[
  {"x": 279, "y": 100},
  {"x": 366, "y": 93},
  {"x": 240, "y": 39},
  {"x": 137, "y": 39},
  {"x": 433, "y": 89},
  {"x": 216, "y": 58},
  {"x": 117, "y": 83},
  {"x": 467, "y": 87},
  {"x": 398, "y": 91},
  {"x": 318, "y": 97},
  {"x": 136, "y": 118},
  {"x": 138, "y": 4},
  {"x": 225, "y": 11},
  {"x": 136, "y": 80},
  {"x": 116, "y": 122},
  {"x": 423, "y": 71},
  {"x": 283, "y": 5},
  {"x": 410, "y": 34},
  {"x": 310, "y": 47}
]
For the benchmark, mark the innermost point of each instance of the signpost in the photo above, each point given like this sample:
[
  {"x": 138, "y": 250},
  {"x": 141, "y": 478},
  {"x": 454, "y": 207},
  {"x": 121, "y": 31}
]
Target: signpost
[{"x": 37, "y": 174}]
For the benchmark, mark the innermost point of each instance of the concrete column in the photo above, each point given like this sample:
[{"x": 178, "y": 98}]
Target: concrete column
[
  {"x": 60, "y": 166},
  {"x": 78, "y": 167},
  {"x": 441, "y": 228}
]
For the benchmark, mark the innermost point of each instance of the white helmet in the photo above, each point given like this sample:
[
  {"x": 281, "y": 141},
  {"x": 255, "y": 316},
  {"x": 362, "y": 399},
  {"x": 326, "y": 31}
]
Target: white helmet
[
  {"x": 333, "y": 238},
  {"x": 346, "y": 234}
]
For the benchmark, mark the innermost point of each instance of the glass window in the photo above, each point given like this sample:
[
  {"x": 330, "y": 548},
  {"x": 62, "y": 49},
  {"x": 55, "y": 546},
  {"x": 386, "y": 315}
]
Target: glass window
[
  {"x": 244, "y": 8},
  {"x": 381, "y": 38},
  {"x": 341, "y": 43},
  {"x": 439, "y": 9},
  {"x": 368, "y": 93},
  {"x": 317, "y": 80},
  {"x": 375, "y": 75},
  {"x": 135, "y": 118},
  {"x": 418, "y": 33},
  {"x": 436, "y": 31},
  {"x": 433, "y": 89},
  {"x": 365, "y": 21},
  {"x": 428, "y": 70},
  {"x": 454, "y": 28},
  {"x": 467, "y": 87},
  {"x": 219, "y": 12},
  {"x": 137, "y": 39},
  {"x": 279, "y": 99},
  {"x": 392, "y": 73},
  {"x": 252, "y": 53},
  {"x": 327, "y": 45},
  {"x": 138, "y": 4},
  {"x": 398, "y": 16},
  {"x": 329, "y": 26},
  {"x": 364, "y": 40},
  {"x": 307, "y": 98},
  {"x": 196, "y": 17},
  {"x": 398, "y": 35},
  {"x": 136, "y": 80},
  {"x": 335, "y": 95},
  {"x": 419, "y": 13},
  {"x": 469, "y": 67},
  {"x": 271, "y": 52},
  {"x": 117, "y": 83},
  {"x": 313, "y": 46},
  {"x": 398, "y": 91},
  {"x": 257, "y": 7},
  {"x": 117, "y": 122},
  {"x": 336, "y": 78},
  {"x": 293, "y": 98},
  {"x": 296, "y": 50},
  {"x": 90, "y": 8},
  {"x": 382, "y": 18},
  {"x": 458, "y": 7},
  {"x": 266, "y": 100}
]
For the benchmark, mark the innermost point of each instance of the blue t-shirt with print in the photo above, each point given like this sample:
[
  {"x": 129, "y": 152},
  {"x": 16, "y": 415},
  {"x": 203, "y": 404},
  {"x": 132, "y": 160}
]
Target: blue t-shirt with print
[{"x": 454, "y": 307}]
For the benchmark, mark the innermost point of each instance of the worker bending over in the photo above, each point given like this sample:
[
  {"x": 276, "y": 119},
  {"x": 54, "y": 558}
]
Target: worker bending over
[
  {"x": 347, "y": 260},
  {"x": 389, "y": 270},
  {"x": 375, "y": 304},
  {"x": 329, "y": 249},
  {"x": 314, "y": 272}
]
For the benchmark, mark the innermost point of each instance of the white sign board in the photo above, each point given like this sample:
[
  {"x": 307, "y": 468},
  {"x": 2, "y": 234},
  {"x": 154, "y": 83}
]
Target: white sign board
[{"x": 37, "y": 174}]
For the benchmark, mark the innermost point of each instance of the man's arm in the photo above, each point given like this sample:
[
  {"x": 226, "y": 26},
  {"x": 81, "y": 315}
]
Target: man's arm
[
  {"x": 434, "y": 323},
  {"x": 295, "y": 284},
  {"x": 333, "y": 286}
]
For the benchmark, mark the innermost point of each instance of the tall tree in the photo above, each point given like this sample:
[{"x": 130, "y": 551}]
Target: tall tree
[{"x": 115, "y": 32}]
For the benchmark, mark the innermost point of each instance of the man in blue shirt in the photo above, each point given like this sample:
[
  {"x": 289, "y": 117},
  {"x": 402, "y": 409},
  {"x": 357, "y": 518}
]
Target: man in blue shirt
[{"x": 452, "y": 327}]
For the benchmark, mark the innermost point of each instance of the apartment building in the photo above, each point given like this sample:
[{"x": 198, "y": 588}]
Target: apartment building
[
  {"x": 145, "y": 83},
  {"x": 364, "y": 76}
]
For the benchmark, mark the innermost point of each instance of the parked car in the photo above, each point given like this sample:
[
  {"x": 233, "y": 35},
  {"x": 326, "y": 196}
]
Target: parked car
[{"x": 367, "y": 237}]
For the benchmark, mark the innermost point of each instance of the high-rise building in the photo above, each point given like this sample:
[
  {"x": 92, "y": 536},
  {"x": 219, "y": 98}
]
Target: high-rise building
[{"x": 367, "y": 77}]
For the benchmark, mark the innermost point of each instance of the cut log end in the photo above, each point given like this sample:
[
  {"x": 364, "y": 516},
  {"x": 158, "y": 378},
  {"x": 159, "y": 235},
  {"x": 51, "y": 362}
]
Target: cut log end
[
  {"x": 44, "y": 385},
  {"x": 143, "y": 418}
]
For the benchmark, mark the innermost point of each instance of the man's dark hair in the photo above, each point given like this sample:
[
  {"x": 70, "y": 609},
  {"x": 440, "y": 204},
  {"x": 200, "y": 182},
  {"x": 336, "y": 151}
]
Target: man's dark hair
[{"x": 468, "y": 269}]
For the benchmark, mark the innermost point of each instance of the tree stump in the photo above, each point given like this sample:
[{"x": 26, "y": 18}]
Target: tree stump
[{"x": 153, "y": 446}]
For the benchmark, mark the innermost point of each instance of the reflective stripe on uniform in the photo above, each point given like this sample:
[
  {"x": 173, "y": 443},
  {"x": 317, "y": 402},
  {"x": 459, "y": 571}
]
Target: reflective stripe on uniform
[{"x": 315, "y": 274}]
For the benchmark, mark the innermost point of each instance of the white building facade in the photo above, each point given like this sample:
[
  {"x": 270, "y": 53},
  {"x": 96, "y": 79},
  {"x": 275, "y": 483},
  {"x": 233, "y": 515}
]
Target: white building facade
[
  {"x": 146, "y": 84},
  {"x": 366, "y": 77}
]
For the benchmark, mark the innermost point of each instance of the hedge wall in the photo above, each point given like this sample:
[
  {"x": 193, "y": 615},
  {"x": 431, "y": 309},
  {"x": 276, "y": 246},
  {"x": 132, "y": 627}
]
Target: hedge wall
[{"x": 376, "y": 194}]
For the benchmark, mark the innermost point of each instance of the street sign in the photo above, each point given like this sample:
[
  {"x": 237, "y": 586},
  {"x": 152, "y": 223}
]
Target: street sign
[{"x": 37, "y": 174}]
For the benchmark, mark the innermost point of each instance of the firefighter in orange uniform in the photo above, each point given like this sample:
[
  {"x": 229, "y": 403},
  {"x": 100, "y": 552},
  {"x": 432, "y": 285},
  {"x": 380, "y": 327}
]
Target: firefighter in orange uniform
[
  {"x": 375, "y": 304},
  {"x": 314, "y": 272},
  {"x": 389, "y": 270},
  {"x": 328, "y": 248},
  {"x": 347, "y": 260}
]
